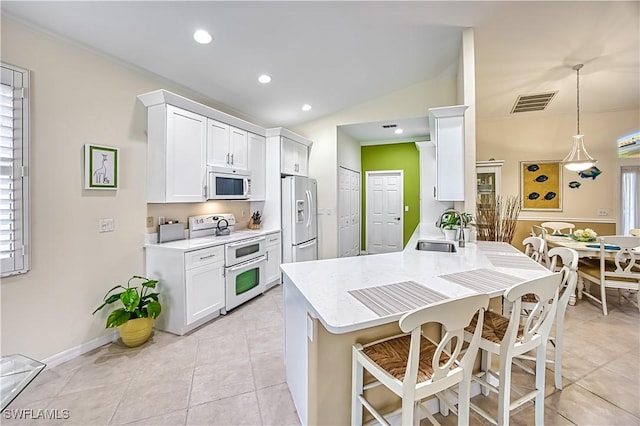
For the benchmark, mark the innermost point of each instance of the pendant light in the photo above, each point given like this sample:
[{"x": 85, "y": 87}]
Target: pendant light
[{"x": 578, "y": 159}]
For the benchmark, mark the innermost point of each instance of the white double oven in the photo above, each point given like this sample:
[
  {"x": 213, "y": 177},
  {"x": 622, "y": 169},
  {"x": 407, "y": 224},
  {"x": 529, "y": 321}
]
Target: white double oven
[{"x": 245, "y": 270}]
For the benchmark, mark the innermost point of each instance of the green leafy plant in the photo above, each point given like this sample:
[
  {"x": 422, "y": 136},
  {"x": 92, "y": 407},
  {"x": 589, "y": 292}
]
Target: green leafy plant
[
  {"x": 137, "y": 302},
  {"x": 467, "y": 219},
  {"x": 450, "y": 220}
]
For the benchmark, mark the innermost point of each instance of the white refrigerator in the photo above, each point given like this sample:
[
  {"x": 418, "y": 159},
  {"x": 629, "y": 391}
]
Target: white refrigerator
[{"x": 299, "y": 219}]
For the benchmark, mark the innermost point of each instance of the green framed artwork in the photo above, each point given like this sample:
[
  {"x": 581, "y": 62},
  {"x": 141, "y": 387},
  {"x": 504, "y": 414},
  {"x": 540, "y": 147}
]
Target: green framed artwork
[
  {"x": 541, "y": 185},
  {"x": 100, "y": 167}
]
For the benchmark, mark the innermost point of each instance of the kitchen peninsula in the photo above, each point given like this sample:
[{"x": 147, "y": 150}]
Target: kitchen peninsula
[{"x": 323, "y": 317}]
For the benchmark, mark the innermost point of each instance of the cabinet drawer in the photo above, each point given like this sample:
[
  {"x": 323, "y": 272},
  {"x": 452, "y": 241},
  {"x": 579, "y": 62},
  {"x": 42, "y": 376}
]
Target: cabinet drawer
[
  {"x": 193, "y": 259},
  {"x": 272, "y": 240}
]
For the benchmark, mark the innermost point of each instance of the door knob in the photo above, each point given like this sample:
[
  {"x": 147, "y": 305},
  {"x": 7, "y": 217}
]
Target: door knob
[{"x": 397, "y": 218}]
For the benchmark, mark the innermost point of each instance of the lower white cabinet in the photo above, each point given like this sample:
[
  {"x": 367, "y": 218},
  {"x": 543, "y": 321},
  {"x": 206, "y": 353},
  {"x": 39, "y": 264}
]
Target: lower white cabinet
[
  {"x": 191, "y": 286},
  {"x": 273, "y": 258}
]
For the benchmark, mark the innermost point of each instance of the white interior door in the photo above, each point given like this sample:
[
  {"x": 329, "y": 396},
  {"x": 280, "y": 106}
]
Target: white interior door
[
  {"x": 384, "y": 211},
  {"x": 349, "y": 212}
]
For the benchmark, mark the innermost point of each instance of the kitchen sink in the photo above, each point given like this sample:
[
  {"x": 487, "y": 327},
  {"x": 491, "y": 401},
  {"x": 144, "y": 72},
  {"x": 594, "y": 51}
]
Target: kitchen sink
[{"x": 441, "y": 246}]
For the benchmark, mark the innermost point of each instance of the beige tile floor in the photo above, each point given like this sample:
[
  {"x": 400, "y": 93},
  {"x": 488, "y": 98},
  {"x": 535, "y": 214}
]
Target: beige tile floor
[{"x": 230, "y": 372}]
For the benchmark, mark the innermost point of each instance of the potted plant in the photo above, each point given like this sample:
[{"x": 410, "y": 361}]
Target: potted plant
[
  {"x": 467, "y": 220},
  {"x": 449, "y": 223},
  {"x": 140, "y": 307}
]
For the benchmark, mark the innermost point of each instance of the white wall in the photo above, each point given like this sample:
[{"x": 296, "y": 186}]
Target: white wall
[
  {"x": 537, "y": 136},
  {"x": 77, "y": 97},
  {"x": 410, "y": 102},
  {"x": 349, "y": 154}
]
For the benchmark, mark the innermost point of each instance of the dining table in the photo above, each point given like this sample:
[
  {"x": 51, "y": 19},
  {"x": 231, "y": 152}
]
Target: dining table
[{"x": 585, "y": 249}]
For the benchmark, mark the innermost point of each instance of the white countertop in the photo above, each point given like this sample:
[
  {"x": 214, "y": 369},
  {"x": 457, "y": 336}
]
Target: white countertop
[
  {"x": 325, "y": 283},
  {"x": 211, "y": 241}
]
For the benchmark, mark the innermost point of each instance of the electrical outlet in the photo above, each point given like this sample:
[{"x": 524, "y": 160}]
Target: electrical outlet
[
  {"x": 603, "y": 212},
  {"x": 105, "y": 225},
  {"x": 406, "y": 208},
  {"x": 150, "y": 222}
]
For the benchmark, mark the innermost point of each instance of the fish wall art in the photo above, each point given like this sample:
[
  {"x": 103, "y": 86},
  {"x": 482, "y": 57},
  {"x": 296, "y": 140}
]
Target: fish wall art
[
  {"x": 592, "y": 172},
  {"x": 540, "y": 185}
]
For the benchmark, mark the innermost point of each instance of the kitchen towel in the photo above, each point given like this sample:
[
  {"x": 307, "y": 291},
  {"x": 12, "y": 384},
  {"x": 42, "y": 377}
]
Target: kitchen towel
[
  {"x": 395, "y": 298},
  {"x": 483, "y": 280}
]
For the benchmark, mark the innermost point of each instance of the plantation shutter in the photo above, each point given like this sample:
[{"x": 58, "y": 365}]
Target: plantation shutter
[{"x": 13, "y": 165}]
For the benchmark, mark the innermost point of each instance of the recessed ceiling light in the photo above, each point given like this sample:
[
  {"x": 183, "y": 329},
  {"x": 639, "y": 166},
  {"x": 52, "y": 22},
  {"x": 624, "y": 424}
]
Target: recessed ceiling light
[
  {"x": 264, "y": 79},
  {"x": 202, "y": 37},
  {"x": 398, "y": 131},
  {"x": 306, "y": 107}
]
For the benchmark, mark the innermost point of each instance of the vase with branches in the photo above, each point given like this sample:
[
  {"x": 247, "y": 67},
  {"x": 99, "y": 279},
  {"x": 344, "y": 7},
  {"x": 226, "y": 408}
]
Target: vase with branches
[{"x": 497, "y": 219}]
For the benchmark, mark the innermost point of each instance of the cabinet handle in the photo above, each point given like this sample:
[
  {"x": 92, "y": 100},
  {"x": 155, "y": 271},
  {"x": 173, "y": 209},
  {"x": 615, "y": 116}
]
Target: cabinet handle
[
  {"x": 231, "y": 159},
  {"x": 227, "y": 158},
  {"x": 207, "y": 257},
  {"x": 434, "y": 191}
]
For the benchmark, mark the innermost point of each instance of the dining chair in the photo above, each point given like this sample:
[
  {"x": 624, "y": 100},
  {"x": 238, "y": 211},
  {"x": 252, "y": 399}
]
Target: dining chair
[
  {"x": 534, "y": 248},
  {"x": 541, "y": 231},
  {"x": 569, "y": 271},
  {"x": 413, "y": 366},
  {"x": 557, "y": 227},
  {"x": 634, "y": 232},
  {"x": 621, "y": 272},
  {"x": 508, "y": 338}
]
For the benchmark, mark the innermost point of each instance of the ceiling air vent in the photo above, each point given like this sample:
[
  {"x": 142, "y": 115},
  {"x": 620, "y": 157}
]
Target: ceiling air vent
[{"x": 527, "y": 103}]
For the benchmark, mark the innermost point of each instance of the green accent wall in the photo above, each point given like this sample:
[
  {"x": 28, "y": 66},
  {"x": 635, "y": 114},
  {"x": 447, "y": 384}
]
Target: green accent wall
[{"x": 401, "y": 156}]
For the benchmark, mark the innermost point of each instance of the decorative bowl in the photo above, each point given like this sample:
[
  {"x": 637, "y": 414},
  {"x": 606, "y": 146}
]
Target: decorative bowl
[{"x": 583, "y": 239}]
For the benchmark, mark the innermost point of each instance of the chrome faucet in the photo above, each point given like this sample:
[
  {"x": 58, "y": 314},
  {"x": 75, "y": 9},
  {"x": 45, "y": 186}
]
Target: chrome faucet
[{"x": 461, "y": 242}]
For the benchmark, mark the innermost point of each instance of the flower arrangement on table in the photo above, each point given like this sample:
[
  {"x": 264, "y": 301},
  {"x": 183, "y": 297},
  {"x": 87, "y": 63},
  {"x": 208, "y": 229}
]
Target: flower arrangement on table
[{"x": 584, "y": 235}]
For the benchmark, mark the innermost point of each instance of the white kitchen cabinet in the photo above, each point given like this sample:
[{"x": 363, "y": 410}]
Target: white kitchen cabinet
[
  {"x": 446, "y": 126},
  {"x": 257, "y": 166},
  {"x": 176, "y": 155},
  {"x": 191, "y": 285},
  {"x": 488, "y": 181},
  {"x": 274, "y": 257},
  {"x": 294, "y": 158},
  {"x": 227, "y": 146}
]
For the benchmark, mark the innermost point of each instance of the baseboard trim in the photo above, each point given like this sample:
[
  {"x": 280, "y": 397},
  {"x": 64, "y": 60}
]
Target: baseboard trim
[{"x": 81, "y": 349}]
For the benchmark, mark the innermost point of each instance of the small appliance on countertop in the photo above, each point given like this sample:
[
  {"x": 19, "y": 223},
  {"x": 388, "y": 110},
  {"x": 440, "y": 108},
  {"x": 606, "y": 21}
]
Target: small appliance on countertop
[{"x": 211, "y": 225}]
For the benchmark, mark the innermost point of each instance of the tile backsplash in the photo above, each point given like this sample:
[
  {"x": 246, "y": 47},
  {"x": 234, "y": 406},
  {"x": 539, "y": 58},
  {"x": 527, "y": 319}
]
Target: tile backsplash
[{"x": 182, "y": 211}]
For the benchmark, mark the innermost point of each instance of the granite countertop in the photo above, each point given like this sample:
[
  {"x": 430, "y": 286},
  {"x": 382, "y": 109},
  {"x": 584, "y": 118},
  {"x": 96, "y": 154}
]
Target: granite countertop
[
  {"x": 211, "y": 241},
  {"x": 325, "y": 284}
]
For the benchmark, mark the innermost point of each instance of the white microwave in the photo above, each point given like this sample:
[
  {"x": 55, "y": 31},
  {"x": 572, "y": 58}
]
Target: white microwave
[{"x": 228, "y": 186}]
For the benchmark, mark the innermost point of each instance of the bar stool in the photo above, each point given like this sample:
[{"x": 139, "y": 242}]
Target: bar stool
[
  {"x": 413, "y": 366},
  {"x": 556, "y": 227},
  {"x": 541, "y": 231},
  {"x": 504, "y": 336},
  {"x": 534, "y": 248},
  {"x": 569, "y": 271}
]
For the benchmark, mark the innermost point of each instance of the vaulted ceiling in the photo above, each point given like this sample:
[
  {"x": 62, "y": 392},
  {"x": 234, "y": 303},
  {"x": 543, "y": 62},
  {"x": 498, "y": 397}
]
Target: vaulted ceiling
[{"x": 334, "y": 55}]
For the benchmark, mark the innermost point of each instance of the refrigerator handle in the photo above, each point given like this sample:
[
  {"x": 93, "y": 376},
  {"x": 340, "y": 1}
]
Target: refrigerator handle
[
  {"x": 309, "y": 244},
  {"x": 309, "y": 202}
]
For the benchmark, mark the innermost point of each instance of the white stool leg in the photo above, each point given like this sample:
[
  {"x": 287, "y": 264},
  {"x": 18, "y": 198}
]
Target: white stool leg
[
  {"x": 356, "y": 386},
  {"x": 557, "y": 363},
  {"x": 540, "y": 371},
  {"x": 464, "y": 394},
  {"x": 504, "y": 390},
  {"x": 485, "y": 365},
  {"x": 603, "y": 297}
]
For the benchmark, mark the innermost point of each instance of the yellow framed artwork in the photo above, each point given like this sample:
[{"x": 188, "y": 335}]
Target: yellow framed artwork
[{"x": 541, "y": 185}]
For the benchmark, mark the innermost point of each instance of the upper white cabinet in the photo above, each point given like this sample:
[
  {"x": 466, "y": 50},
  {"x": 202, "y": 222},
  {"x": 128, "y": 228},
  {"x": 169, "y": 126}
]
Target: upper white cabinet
[
  {"x": 257, "y": 165},
  {"x": 488, "y": 181},
  {"x": 294, "y": 158},
  {"x": 446, "y": 126},
  {"x": 227, "y": 146},
  {"x": 184, "y": 137},
  {"x": 176, "y": 154}
]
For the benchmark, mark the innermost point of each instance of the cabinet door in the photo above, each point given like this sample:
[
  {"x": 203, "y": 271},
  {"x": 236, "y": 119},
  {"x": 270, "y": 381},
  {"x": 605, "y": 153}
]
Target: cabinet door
[
  {"x": 238, "y": 144},
  {"x": 257, "y": 166},
  {"x": 217, "y": 144},
  {"x": 288, "y": 157},
  {"x": 186, "y": 150},
  {"x": 273, "y": 258},
  {"x": 204, "y": 291},
  {"x": 301, "y": 156}
]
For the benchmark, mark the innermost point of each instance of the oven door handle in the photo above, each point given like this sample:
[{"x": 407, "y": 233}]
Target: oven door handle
[
  {"x": 262, "y": 258},
  {"x": 245, "y": 242}
]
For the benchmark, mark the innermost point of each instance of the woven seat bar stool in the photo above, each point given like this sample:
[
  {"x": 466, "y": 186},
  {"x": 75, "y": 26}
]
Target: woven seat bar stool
[
  {"x": 534, "y": 248},
  {"x": 414, "y": 367},
  {"x": 506, "y": 337},
  {"x": 569, "y": 271},
  {"x": 540, "y": 231}
]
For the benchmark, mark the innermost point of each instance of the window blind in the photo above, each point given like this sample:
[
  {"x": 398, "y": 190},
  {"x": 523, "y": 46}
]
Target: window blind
[{"x": 13, "y": 164}]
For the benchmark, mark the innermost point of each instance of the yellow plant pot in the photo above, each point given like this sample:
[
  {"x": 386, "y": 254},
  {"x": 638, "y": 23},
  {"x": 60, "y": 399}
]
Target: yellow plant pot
[{"x": 136, "y": 331}]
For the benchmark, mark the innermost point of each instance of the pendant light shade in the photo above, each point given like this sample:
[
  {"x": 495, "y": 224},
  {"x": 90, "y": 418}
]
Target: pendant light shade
[{"x": 578, "y": 158}]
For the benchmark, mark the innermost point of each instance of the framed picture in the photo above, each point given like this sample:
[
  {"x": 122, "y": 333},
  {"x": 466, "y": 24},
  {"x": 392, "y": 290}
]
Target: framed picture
[
  {"x": 541, "y": 185},
  {"x": 100, "y": 167}
]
